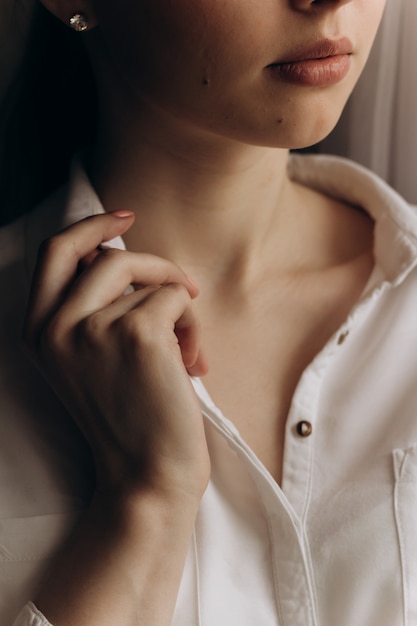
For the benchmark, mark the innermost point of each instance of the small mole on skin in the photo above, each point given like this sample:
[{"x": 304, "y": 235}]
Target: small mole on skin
[
  {"x": 280, "y": 120},
  {"x": 206, "y": 81}
]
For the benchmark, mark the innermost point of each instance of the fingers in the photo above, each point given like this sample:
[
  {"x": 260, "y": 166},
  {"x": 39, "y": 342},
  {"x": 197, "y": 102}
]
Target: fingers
[
  {"x": 91, "y": 299},
  {"x": 175, "y": 300},
  {"x": 188, "y": 332},
  {"x": 118, "y": 361},
  {"x": 151, "y": 316},
  {"x": 59, "y": 258},
  {"x": 106, "y": 278},
  {"x": 111, "y": 272}
]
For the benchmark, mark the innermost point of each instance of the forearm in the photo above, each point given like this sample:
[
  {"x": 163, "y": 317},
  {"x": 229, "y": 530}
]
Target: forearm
[{"x": 122, "y": 566}]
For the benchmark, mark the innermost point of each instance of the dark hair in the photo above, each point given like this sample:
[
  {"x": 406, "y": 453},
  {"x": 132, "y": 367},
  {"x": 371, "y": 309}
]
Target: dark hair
[{"x": 48, "y": 113}]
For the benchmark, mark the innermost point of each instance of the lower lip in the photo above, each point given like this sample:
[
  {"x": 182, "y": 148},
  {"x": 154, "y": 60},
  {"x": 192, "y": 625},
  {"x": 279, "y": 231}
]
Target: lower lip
[{"x": 314, "y": 72}]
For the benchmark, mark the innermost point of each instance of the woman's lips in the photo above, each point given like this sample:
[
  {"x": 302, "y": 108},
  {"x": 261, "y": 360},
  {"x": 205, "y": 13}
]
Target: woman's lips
[{"x": 324, "y": 63}]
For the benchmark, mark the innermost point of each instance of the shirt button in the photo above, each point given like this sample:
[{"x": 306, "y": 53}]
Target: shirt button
[
  {"x": 304, "y": 428},
  {"x": 342, "y": 337}
]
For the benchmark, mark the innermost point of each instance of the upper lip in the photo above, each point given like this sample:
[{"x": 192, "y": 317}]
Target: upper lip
[{"x": 319, "y": 50}]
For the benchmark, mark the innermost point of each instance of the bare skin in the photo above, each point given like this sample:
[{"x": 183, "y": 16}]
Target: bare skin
[
  {"x": 260, "y": 267},
  {"x": 278, "y": 267},
  {"x": 269, "y": 335},
  {"x": 250, "y": 341}
]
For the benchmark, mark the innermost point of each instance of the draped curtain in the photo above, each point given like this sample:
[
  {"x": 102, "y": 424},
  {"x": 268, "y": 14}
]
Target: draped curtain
[{"x": 379, "y": 125}]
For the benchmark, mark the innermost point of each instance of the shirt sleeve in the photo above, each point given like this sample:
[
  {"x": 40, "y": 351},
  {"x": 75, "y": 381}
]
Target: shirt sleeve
[{"x": 30, "y": 616}]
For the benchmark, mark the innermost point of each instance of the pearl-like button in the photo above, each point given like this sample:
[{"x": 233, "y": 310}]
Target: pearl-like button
[{"x": 304, "y": 428}]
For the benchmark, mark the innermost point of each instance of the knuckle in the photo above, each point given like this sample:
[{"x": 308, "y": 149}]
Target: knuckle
[
  {"x": 47, "y": 346},
  {"x": 57, "y": 246},
  {"x": 145, "y": 327},
  {"x": 141, "y": 334},
  {"x": 91, "y": 329},
  {"x": 49, "y": 247},
  {"x": 137, "y": 327}
]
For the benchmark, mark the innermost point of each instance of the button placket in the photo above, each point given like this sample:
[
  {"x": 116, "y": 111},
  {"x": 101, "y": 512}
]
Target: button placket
[
  {"x": 300, "y": 433},
  {"x": 293, "y": 578}
]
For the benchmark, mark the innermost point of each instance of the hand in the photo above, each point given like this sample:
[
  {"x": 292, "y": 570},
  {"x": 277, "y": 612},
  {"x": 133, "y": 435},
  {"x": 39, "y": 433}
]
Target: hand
[{"x": 120, "y": 363}]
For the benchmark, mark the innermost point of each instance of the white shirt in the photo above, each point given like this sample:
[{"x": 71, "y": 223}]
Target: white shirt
[{"x": 337, "y": 544}]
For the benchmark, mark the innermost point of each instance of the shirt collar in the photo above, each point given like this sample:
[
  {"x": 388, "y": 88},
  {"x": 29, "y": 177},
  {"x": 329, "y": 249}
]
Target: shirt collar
[
  {"x": 395, "y": 233},
  {"x": 83, "y": 201},
  {"x": 395, "y": 244}
]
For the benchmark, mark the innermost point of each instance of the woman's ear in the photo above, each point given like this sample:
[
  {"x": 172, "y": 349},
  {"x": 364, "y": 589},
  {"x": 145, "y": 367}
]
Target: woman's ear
[{"x": 77, "y": 14}]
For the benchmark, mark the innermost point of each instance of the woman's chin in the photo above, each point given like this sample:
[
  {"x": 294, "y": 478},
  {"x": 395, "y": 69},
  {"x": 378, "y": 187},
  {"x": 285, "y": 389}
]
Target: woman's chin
[{"x": 304, "y": 134}]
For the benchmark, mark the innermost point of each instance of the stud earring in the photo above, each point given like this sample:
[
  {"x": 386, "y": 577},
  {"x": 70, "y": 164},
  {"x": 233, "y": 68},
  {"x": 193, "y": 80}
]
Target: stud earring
[{"x": 79, "y": 22}]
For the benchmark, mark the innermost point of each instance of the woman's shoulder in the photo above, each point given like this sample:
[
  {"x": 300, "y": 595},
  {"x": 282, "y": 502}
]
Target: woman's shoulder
[
  {"x": 350, "y": 182},
  {"x": 394, "y": 219},
  {"x": 353, "y": 184}
]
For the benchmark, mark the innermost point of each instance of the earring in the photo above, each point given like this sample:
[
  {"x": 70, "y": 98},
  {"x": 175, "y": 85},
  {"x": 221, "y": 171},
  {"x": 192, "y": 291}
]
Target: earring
[{"x": 79, "y": 22}]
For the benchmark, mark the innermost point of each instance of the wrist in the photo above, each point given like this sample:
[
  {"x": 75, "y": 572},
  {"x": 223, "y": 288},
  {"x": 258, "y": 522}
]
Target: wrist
[
  {"x": 169, "y": 484},
  {"x": 126, "y": 554},
  {"x": 129, "y": 510}
]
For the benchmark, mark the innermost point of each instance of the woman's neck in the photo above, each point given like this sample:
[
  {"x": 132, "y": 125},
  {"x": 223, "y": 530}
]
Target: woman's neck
[
  {"x": 197, "y": 202},
  {"x": 221, "y": 210}
]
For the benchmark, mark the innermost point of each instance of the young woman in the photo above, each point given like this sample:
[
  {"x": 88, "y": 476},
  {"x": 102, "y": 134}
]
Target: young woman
[{"x": 294, "y": 503}]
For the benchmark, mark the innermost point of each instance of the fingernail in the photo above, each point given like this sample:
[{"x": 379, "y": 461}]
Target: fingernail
[
  {"x": 194, "y": 284},
  {"x": 122, "y": 213}
]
